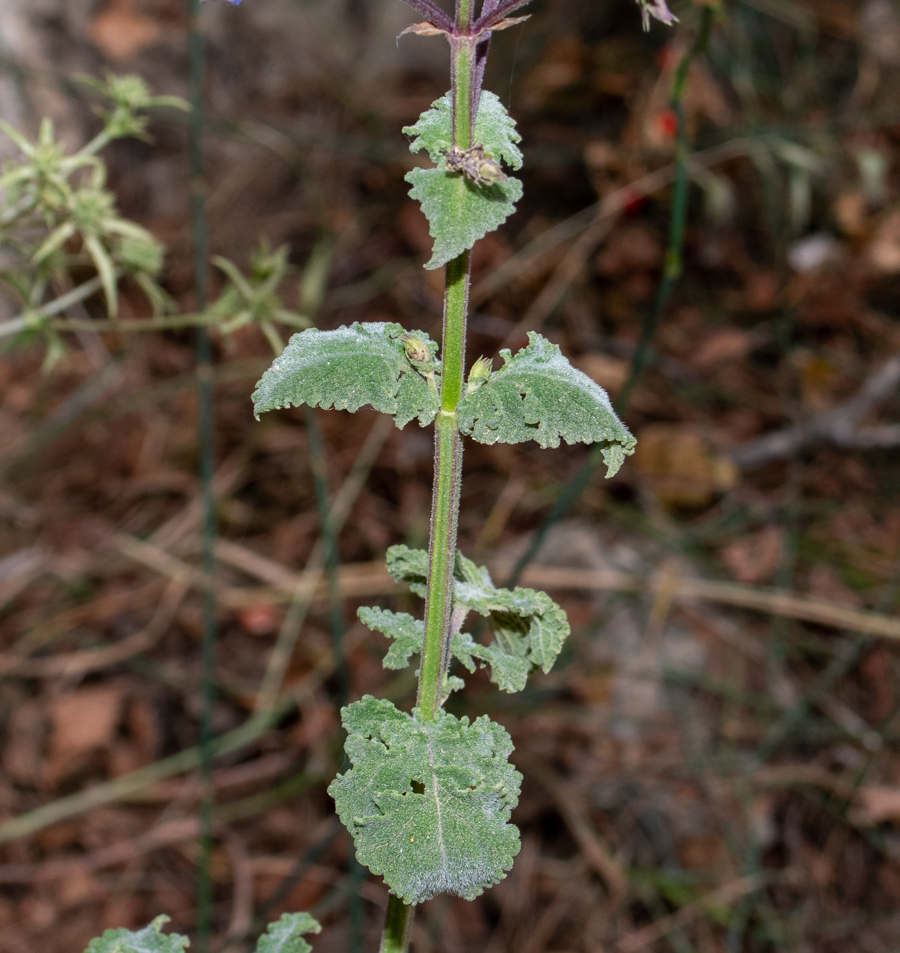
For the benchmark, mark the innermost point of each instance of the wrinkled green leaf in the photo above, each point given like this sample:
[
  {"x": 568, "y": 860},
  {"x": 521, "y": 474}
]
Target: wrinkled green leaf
[
  {"x": 459, "y": 212},
  {"x": 495, "y": 129},
  {"x": 428, "y": 803},
  {"x": 285, "y": 935},
  {"x": 347, "y": 369},
  {"x": 508, "y": 672},
  {"x": 538, "y": 395},
  {"x": 149, "y": 940},
  {"x": 529, "y": 628},
  {"x": 409, "y": 566},
  {"x": 408, "y": 634}
]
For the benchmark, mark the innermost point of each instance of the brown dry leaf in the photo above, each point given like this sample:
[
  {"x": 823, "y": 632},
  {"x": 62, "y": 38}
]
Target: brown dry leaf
[
  {"x": 631, "y": 247},
  {"x": 81, "y": 724},
  {"x": 121, "y": 31},
  {"x": 423, "y": 29},
  {"x": 884, "y": 249},
  {"x": 851, "y": 213},
  {"x": 825, "y": 583},
  {"x": 609, "y": 372},
  {"x": 23, "y": 753},
  {"x": 701, "y": 852},
  {"x": 720, "y": 345},
  {"x": 819, "y": 379},
  {"x": 876, "y": 804},
  {"x": 761, "y": 288},
  {"x": 753, "y": 559},
  {"x": 680, "y": 467},
  {"x": 260, "y": 619}
]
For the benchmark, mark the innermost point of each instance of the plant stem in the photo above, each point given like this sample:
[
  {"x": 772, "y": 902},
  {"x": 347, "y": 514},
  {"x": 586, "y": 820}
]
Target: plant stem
[
  {"x": 206, "y": 441},
  {"x": 397, "y": 926},
  {"x": 448, "y": 454},
  {"x": 445, "y": 499}
]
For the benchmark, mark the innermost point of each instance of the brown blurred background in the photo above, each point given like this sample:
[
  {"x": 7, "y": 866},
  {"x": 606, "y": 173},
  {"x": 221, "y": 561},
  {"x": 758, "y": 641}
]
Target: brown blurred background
[{"x": 712, "y": 766}]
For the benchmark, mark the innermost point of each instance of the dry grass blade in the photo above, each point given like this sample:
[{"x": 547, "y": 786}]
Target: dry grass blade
[
  {"x": 312, "y": 574},
  {"x": 640, "y": 939},
  {"x": 73, "y": 664}
]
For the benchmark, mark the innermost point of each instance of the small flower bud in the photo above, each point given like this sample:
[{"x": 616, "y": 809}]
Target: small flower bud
[
  {"x": 416, "y": 349},
  {"x": 481, "y": 371}
]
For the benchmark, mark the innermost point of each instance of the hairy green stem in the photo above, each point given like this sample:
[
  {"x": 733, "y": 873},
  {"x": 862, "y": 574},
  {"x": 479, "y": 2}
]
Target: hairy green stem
[
  {"x": 397, "y": 926},
  {"x": 445, "y": 498},
  {"x": 448, "y": 455}
]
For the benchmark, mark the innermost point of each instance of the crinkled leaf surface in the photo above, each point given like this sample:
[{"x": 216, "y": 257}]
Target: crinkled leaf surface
[
  {"x": 149, "y": 940},
  {"x": 495, "y": 129},
  {"x": 410, "y": 566},
  {"x": 538, "y": 395},
  {"x": 347, "y": 369},
  {"x": 459, "y": 212},
  {"x": 529, "y": 628},
  {"x": 527, "y": 625},
  {"x": 408, "y": 634},
  {"x": 428, "y": 803},
  {"x": 285, "y": 935},
  {"x": 508, "y": 672}
]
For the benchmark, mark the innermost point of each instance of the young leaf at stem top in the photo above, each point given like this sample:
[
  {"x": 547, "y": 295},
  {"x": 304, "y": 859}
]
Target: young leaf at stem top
[
  {"x": 459, "y": 210},
  {"x": 285, "y": 935},
  {"x": 538, "y": 395},
  {"x": 428, "y": 802},
  {"x": 149, "y": 940},
  {"x": 351, "y": 367}
]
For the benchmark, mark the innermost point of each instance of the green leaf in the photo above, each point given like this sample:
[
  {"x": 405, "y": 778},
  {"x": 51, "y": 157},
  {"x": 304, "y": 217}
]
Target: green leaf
[
  {"x": 347, "y": 369},
  {"x": 538, "y": 395},
  {"x": 508, "y": 672},
  {"x": 408, "y": 634},
  {"x": 149, "y": 940},
  {"x": 409, "y": 566},
  {"x": 428, "y": 803},
  {"x": 285, "y": 935},
  {"x": 526, "y": 624},
  {"x": 495, "y": 129},
  {"x": 459, "y": 212},
  {"x": 529, "y": 628}
]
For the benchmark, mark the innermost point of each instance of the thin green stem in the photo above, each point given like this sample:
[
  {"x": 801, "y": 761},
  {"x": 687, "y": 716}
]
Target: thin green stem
[
  {"x": 397, "y": 926},
  {"x": 206, "y": 439},
  {"x": 448, "y": 457},
  {"x": 445, "y": 498},
  {"x": 23, "y": 321}
]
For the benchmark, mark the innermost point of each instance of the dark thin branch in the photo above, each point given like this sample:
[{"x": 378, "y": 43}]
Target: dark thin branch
[{"x": 433, "y": 13}]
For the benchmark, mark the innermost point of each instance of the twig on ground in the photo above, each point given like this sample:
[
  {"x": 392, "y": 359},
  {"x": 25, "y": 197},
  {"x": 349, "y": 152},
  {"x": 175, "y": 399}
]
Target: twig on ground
[
  {"x": 73, "y": 664},
  {"x": 729, "y": 893},
  {"x": 293, "y": 620},
  {"x": 575, "y": 815},
  {"x": 839, "y": 426}
]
